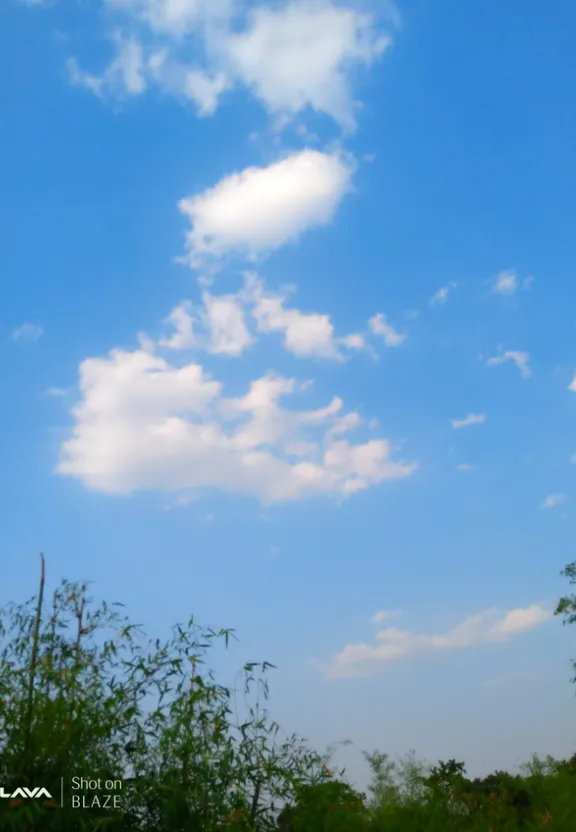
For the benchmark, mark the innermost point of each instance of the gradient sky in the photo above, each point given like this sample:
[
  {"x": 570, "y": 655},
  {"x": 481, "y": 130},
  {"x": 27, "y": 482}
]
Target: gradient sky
[{"x": 288, "y": 342}]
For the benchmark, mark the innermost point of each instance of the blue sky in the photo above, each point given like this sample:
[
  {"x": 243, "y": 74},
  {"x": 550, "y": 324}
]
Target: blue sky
[{"x": 288, "y": 341}]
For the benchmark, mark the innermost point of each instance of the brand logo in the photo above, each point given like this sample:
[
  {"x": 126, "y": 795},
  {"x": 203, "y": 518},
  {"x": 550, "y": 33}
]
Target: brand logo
[{"x": 25, "y": 792}]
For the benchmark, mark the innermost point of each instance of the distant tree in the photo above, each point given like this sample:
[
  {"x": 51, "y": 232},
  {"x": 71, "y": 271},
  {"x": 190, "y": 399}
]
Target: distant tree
[
  {"x": 333, "y": 806},
  {"x": 567, "y": 604}
]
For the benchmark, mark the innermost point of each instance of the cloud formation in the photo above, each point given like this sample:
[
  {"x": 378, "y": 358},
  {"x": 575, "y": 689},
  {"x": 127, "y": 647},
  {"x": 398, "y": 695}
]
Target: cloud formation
[
  {"x": 506, "y": 283},
  {"x": 145, "y": 423},
  {"x": 392, "y": 644},
  {"x": 471, "y": 419},
  {"x": 28, "y": 333},
  {"x": 380, "y": 326},
  {"x": 553, "y": 500},
  {"x": 229, "y": 324},
  {"x": 260, "y": 209},
  {"x": 299, "y": 56},
  {"x": 305, "y": 334},
  {"x": 385, "y": 615},
  {"x": 124, "y": 76},
  {"x": 520, "y": 359},
  {"x": 293, "y": 57},
  {"x": 440, "y": 297}
]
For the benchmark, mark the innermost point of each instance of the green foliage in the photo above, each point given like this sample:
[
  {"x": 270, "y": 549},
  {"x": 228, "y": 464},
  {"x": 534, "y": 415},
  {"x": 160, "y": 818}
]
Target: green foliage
[
  {"x": 83, "y": 693},
  {"x": 332, "y": 806},
  {"x": 567, "y": 604}
]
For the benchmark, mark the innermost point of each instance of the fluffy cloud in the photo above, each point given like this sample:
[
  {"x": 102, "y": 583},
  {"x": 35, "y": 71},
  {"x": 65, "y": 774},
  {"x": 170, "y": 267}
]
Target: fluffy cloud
[
  {"x": 183, "y": 336},
  {"x": 28, "y": 333},
  {"x": 471, "y": 419},
  {"x": 300, "y": 55},
  {"x": 204, "y": 90},
  {"x": 553, "y": 500},
  {"x": 304, "y": 334},
  {"x": 260, "y": 209},
  {"x": 219, "y": 325},
  {"x": 143, "y": 423},
  {"x": 441, "y": 296},
  {"x": 176, "y": 18},
  {"x": 224, "y": 319},
  {"x": 380, "y": 326},
  {"x": 520, "y": 359},
  {"x": 354, "y": 341},
  {"x": 292, "y": 57},
  {"x": 487, "y": 627}
]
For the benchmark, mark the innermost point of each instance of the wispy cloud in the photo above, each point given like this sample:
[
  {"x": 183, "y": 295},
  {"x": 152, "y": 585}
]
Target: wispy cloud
[
  {"x": 506, "y": 283},
  {"x": 380, "y": 326},
  {"x": 385, "y": 615},
  {"x": 441, "y": 296},
  {"x": 520, "y": 359},
  {"x": 464, "y": 467},
  {"x": 488, "y": 627},
  {"x": 471, "y": 419},
  {"x": 553, "y": 500},
  {"x": 28, "y": 333},
  {"x": 57, "y": 392},
  {"x": 269, "y": 50}
]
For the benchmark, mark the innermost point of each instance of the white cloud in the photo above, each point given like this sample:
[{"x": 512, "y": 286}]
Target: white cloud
[
  {"x": 488, "y": 627},
  {"x": 553, "y": 500},
  {"x": 205, "y": 90},
  {"x": 220, "y": 326},
  {"x": 291, "y": 56},
  {"x": 300, "y": 55},
  {"x": 572, "y": 385},
  {"x": 385, "y": 615},
  {"x": 344, "y": 424},
  {"x": 260, "y": 209},
  {"x": 176, "y": 18},
  {"x": 380, "y": 326},
  {"x": 224, "y": 318},
  {"x": 506, "y": 283},
  {"x": 143, "y": 423},
  {"x": 80, "y": 78},
  {"x": 28, "y": 333},
  {"x": 183, "y": 337},
  {"x": 124, "y": 75},
  {"x": 520, "y": 359},
  {"x": 441, "y": 296},
  {"x": 353, "y": 342},
  {"x": 464, "y": 467},
  {"x": 471, "y": 419},
  {"x": 304, "y": 334}
]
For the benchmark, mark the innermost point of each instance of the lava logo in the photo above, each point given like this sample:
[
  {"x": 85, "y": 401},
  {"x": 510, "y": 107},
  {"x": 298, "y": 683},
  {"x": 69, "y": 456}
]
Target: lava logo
[{"x": 25, "y": 792}]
